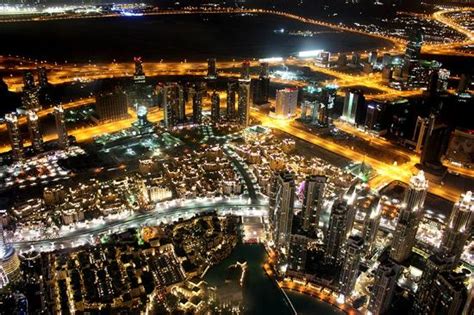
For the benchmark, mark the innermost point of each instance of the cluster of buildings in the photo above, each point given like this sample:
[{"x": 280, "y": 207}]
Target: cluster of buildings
[
  {"x": 122, "y": 277},
  {"x": 157, "y": 269},
  {"x": 206, "y": 173},
  {"x": 174, "y": 98},
  {"x": 37, "y": 170},
  {"x": 62, "y": 206},
  {"x": 268, "y": 153},
  {"x": 318, "y": 105},
  {"x": 349, "y": 251},
  {"x": 425, "y": 124},
  {"x": 13, "y": 122}
]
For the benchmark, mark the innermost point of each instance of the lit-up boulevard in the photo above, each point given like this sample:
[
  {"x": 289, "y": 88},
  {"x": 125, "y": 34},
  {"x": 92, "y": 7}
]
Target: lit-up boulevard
[
  {"x": 164, "y": 212},
  {"x": 386, "y": 173},
  {"x": 67, "y": 74},
  {"x": 451, "y": 48}
]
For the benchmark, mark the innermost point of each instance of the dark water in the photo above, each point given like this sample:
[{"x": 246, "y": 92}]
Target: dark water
[
  {"x": 260, "y": 294},
  {"x": 172, "y": 37},
  {"x": 307, "y": 305}
]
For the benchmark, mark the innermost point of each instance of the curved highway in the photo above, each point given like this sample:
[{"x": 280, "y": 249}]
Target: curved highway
[{"x": 236, "y": 206}]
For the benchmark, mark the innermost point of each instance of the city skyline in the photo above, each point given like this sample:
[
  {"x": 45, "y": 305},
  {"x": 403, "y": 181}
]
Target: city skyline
[{"x": 237, "y": 157}]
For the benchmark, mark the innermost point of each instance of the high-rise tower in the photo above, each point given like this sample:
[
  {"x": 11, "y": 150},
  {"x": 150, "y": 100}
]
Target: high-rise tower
[
  {"x": 314, "y": 187},
  {"x": 245, "y": 75},
  {"x": 42, "y": 77},
  {"x": 170, "y": 104},
  {"x": 459, "y": 227},
  {"x": 199, "y": 91},
  {"x": 336, "y": 233},
  {"x": 434, "y": 265},
  {"x": 230, "y": 109},
  {"x": 385, "y": 280},
  {"x": 371, "y": 226},
  {"x": 244, "y": 103},
  {"x": 139, "y": 74},
  {"x": 215, "y": 107},
  {"x": 350, "y": 266},
  {"x": 34, "y": 131},
  {"x": 211, "y": 68},
  {"x": 15, "y": 136},
  {"x": 411, "y": 213},
  {"x": 284, "y": 207},
  {"x": 63, "y": 140}
]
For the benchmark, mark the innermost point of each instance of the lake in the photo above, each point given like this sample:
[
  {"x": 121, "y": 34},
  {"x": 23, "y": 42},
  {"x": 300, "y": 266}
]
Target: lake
[{"x": 261, "y": 295}]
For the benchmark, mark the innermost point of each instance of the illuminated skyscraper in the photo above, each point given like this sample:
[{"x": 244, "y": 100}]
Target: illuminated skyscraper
[
  {"x": 443, "y": 77},
  {"x": 215, "y": 107},
  {"x": 448, "y": 295},
  {"x": 63, "y": 139},
  {"x": 181, "y": 104},
  {"x": 198, "y": 93},
  {"x": 411, "y": 213},
  {"x": 286, "y": 102},
  {"x": 42, "y": 77},
  {"x": 350, "y": 198},
  {"x": 244, "y": 103},
  {"x": 284, "y": 207},
  {"x": 459, "y": 227},
  {"x": 15, "y": 136},
  {"x": 435, "y": 144},
  {"x": 30, "y": 98},
  {"x": 434, "y": 265},
  {"x": 139, "y": 74},
  {"x": 170, "y": 104},
  {"x": 314, "y": 187},
  {"x": 28, "y": 81},
  {"x": 354, "y": 110},
  {"x": 111, "y": 104},
  {"x": 328, "y": 97},
  {"x": 350, "y": 266},
  {"x": 372, "y": 59},
  {"x": 336, "y": 234},
  {"x": 413, "y": 50},
  {"x": 211, "y": 68},
  {"x": 231, "y": 90},
  {"x": 34, "y": 130},
  {"x": 371, "y": 226},
  {"x": 383, "y": 288},
  {"x": 273, "y": 189},
  {"x": 264, "y": 70},
  {"x": 298, "y": 250}
]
